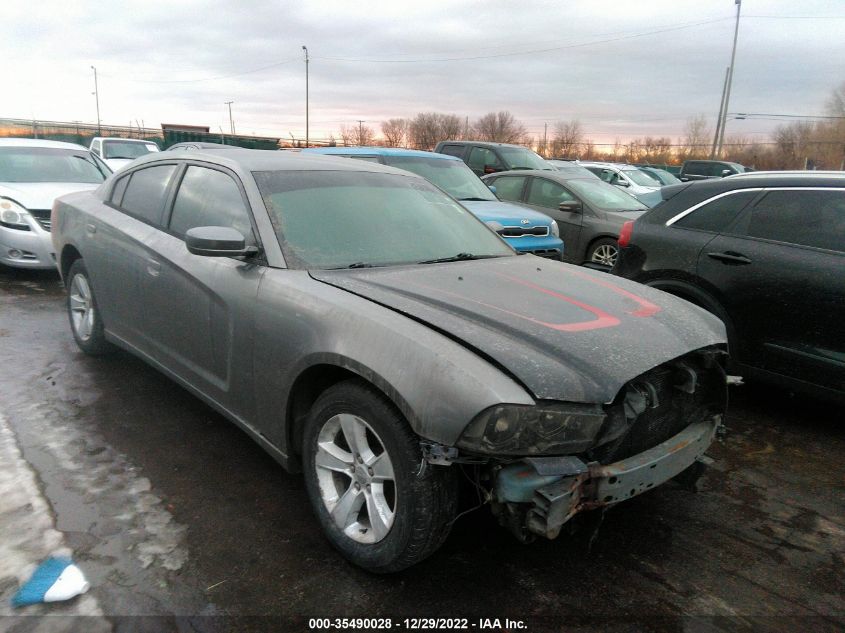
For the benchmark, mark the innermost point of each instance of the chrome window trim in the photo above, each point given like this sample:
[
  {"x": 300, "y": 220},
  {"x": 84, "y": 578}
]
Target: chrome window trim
[
  {"x": 724, "y": 194},
  {"x": 683, "y": 214}
]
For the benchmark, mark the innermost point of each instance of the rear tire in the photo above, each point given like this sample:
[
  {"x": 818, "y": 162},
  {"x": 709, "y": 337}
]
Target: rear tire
[
  {"x": 603, "y": 252},
  {"x": 377, "y": 501},
  {"x": 86, "y": 324}
]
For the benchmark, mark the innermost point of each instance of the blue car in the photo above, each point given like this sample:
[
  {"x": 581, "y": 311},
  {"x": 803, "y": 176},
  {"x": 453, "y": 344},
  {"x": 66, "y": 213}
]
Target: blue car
[{"x": 526, "y": 230}]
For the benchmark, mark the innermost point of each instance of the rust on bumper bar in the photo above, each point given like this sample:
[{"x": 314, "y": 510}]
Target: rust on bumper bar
[{"x": 603, "y": 485}]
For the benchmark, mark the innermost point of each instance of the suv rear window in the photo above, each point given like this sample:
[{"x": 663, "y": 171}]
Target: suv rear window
[{"x": 453, "y": 150}]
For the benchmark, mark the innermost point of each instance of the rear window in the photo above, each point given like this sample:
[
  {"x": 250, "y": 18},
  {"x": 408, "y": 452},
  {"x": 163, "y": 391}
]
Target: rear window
[{"x": 453, "y": 150}]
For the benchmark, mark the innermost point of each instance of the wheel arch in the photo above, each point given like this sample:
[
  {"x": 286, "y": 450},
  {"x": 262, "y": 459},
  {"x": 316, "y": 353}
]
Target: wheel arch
[
  {"x": 69, "y": 255},
  {"x": 314, "y": 380},
  {"x": 702, "y": 298}
]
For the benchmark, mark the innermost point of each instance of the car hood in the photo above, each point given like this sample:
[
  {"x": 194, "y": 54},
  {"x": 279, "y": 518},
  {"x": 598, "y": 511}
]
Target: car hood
[
  {"x": 506, "y": 213},
  {"x": 565, "y": 332},
  {"x": 40, "y": 195}
]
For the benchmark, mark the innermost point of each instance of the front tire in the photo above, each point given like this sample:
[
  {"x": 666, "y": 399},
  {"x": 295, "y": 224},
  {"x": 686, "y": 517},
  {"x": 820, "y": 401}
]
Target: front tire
[
  {"x": 83, "y": 312},
  {"x": 378, "y": 503}
]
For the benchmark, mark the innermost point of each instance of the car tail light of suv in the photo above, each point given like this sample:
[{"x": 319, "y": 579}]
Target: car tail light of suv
[{"x": 625, "y": 233}]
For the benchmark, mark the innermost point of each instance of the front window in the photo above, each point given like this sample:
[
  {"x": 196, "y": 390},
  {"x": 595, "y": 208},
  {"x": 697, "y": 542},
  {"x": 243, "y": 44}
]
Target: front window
[
  {"x": 48, "y": 164},
  {"x": 641, "y": 178},
  {"x": 127, "y": 149},
  {"x": 338, "y": 219},
  {"x": 452, "y": 176},
  {"x": 522, "y": 158},
  {"x": 604, "y": 196}
]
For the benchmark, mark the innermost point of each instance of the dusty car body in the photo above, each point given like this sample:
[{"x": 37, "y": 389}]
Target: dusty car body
[{"x": 558, "y": 389}]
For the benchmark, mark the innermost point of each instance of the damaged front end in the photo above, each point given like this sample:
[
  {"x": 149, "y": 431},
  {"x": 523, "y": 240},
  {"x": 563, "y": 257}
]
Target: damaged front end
[{"x": 576, "y": 457}]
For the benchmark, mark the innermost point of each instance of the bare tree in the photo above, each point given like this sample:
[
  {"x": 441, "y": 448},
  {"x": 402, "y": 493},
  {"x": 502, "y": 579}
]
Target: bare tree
[
  {"x": 357, "y": 134},
  {"x": 395, "y": 132},
  {"x": 499, "y": 127},
  {"x": 568, "y": 137},
  {"x": 654, "y": 150},
  {"x": 697, "y": 140},
  {"x": 451, "y": 126},
  {"x": 424, "y": 131}
]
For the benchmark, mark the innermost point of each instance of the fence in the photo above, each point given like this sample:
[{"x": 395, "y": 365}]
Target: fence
[{"x": 82, "y": 133}]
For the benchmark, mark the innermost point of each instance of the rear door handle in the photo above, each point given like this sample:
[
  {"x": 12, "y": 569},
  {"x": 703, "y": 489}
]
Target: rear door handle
[
  {"x": 153, "y": 268},
  {"x": 90, "y": 228},
  {"x": 729, "y": 257}
]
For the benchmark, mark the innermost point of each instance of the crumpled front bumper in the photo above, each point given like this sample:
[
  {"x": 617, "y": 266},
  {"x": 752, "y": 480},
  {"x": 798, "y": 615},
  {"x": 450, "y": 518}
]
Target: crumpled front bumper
[{"x": 568, "y": 486}]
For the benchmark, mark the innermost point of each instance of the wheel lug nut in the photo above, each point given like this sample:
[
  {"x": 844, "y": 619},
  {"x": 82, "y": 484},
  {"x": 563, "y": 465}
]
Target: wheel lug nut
[
  {"x": 357, "y": 486},
  {"x": 368, "y": 487},
  {"x": 370, "y": 471},
  {"x": 360, "y": 459}
]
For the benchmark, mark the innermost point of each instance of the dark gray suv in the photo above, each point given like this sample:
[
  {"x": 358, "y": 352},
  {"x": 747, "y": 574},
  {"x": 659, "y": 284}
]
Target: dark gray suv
[{"x": 488, "y": 158}]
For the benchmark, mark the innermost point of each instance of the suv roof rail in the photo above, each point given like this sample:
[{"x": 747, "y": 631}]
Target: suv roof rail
[{"x": 793, "y": 172}]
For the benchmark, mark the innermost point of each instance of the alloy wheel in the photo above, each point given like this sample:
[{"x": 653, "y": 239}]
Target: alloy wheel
[
  {"x": 81, "y": 307},
  {"x": 605, "y": 254}
]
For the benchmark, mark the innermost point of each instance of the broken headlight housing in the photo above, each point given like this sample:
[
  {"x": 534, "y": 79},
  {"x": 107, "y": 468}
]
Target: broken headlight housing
[{"x": 542, "y": 429}]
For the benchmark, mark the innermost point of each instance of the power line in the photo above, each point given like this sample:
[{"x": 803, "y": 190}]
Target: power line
[
  {"x": 188, "y": 81},
  {"x": 529, "y": 52}
]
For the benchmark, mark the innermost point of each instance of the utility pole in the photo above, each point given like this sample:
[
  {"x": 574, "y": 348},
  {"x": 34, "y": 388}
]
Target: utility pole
[
  {"x": 231, "y": 122},
  {"x": 730, "y": 79},
  {"x": 545, "y": 132},
  {"x": 360, "y": 131},
  {"x": 719, "y": 118},
  {"x": 96, "y": 94},
  {"x": 305, "y": 48}
]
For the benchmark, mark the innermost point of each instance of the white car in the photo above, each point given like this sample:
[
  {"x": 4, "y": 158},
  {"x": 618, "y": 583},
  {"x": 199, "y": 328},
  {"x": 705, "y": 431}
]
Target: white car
[
  {"x": 119, "y": 152},
  {"x": 629, "y": 178},
  {"x": 33, "y": 173}
]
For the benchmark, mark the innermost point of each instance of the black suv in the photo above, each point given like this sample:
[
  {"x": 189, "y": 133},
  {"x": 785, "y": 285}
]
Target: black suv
[
  {"x": 705, "y": 169},
  {"x": 488, "y": 158},
  {"x": 766, "y": 254}
]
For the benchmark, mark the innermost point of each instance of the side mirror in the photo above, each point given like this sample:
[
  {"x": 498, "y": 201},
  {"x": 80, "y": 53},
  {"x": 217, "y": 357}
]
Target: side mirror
[
  {"x": 489, "y": 169},
  {"x": 622, "y": 183},
  {"x": 492, "y": 188},
  {"x": 726, "y": 172},
  {"x": 217, "y": 241},
  {"x": 570, "y": 206}
]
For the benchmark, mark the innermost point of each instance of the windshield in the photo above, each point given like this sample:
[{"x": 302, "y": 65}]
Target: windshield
[
  {"x": 48, "y": 164},
  {"x": 572, "y": 169},
  {"x": 604, "y": 196},
  {"x": 338, "y": 219},
  {"x": 452, "y": 176},
  {"x": 127, "y": 149},
  {"x": 641, "y": 178},
  {"x": 662, "y": 175},
  {"x": 521, "y": 158}
]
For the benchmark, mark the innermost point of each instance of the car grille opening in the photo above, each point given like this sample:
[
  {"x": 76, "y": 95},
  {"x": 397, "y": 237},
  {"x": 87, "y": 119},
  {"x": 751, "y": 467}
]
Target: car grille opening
[
  {"x": 519, "y": 231},
  {"x": 670, "y": 408},
  {"x": 42, "y": 216}
]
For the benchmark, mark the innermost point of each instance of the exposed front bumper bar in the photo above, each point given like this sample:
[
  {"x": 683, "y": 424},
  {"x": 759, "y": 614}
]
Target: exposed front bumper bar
[{"x": 577, "y": 486}]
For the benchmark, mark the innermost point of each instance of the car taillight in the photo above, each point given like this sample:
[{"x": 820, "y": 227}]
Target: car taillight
[{"x": 625, "y": 233}]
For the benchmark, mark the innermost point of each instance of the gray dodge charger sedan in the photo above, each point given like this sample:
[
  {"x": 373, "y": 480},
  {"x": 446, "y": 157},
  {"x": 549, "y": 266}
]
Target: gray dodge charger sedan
[{"x": 365, "y": 328}]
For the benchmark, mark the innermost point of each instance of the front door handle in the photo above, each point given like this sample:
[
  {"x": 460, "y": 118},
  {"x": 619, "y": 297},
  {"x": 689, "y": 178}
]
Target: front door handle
[
  {"x": 153, "y": 268},
  {"x": 730, "y": 257},
  {"x": 91, "y": 228}
]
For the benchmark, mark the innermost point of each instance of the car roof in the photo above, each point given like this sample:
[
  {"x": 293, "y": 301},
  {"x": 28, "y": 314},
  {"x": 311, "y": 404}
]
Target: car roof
[
  {"x": 591, "y": 163},
  {"x": 484, "y": 143},
  {"x": 202, "y": 145},
  {"x": 272, "y": 160},
  {"x": 39, "y": 142},
  {"x": 376, "y": 151},
  {"x": 806, "y": 173},
  {"x": 543, "y": 173},
  {"x": 121, "y": 138}
]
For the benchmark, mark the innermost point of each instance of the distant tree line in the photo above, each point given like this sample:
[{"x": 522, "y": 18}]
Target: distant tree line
[{"x": 795, "y": 145}]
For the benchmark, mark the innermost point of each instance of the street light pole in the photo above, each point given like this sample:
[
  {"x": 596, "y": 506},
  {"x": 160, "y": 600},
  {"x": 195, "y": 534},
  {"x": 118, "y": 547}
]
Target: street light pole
[
  {"x": 730, "y": 79},
  {"x": 721, "y": 112},
  {"x": 231, "y": 121},
  {"x": 305, "y": 48},
  {"x": 96, "y": 94}
]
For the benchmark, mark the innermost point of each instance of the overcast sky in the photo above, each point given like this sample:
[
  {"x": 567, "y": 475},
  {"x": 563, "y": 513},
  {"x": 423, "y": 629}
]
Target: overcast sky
[{"x": 625, "y": 69}]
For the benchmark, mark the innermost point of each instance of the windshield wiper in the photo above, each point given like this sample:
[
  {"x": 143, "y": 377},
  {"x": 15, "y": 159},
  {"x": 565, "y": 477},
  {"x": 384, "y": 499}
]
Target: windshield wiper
[
  {"x": 457, "y": 258},
  {"x": 474, "y": 199},
  {"x": 122, "y": 157}
]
